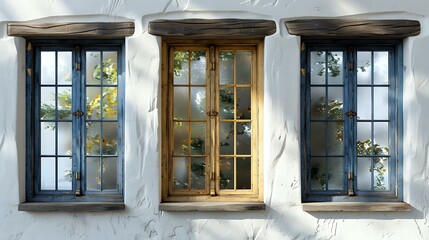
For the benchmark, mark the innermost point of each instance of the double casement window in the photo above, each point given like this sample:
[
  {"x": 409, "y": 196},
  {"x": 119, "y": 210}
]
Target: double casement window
[
  {"x": 351, "y": 121},
  {"x": 212, "y": 98},
  {"x": 74, "y": 120}
]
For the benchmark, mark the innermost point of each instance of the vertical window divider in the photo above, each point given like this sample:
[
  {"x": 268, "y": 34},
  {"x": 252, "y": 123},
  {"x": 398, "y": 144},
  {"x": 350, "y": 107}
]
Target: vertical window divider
[
  {"x": 213, "y": 122},
  {"x": 56, "y": 120},
  {"x": 78, "y": 86}
]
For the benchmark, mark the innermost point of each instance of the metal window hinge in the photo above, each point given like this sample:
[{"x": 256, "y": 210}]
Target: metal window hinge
[
  {"x": 29, "y": 47},
  {"x": 302, "y": 46},
  {"x": 77, "y": 175},
  {"x": 350, "y": 66},
  {"x": 29, "y": 71},
  {"x": 350, "y": 184},
  {"x": 303, "y": 72},
  {"x": 77, "y": 66},
  {"x": 212, "y": 176}
]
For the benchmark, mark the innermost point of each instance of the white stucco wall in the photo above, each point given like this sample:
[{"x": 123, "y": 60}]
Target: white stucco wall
[{"x": 284, "y": 217}]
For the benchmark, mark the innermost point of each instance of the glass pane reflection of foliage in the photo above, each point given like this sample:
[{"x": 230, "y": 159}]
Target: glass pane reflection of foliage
[
  {"x": 334, "y": 111},
  {"x": 109, "y": 96}
]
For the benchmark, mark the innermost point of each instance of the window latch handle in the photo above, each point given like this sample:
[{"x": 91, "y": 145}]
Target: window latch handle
[
  {"x": 212, "y": 113},
  {"x": 78, "y": 113},
  {"x": 351, "y": 114}
]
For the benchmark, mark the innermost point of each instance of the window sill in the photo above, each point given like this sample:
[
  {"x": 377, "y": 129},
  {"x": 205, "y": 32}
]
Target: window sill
[
  {"x": 70, "y": 206},
  {"x": 356, "y": 207},
  {"x": 211, "y": 206}
]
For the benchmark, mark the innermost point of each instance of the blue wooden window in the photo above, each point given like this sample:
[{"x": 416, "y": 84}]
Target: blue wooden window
[
  {"x": 74, "y": 121},
  {"x": 351, "y": 121}
]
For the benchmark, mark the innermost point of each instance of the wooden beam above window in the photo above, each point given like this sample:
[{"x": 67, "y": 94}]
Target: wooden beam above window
[
  {"x": 353, "y": 29},
  {"x": 81, "y": 30},
  {"x": 213, "y": 28}
]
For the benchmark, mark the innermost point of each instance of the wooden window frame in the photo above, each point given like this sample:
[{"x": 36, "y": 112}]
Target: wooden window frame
[
  {"x": 394, "y": 47},
  {"x": 256, "y": 194},
  {"x": 77, "y": 199}
]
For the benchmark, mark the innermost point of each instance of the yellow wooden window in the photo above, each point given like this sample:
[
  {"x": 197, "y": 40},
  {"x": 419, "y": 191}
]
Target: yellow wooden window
[{"x": 211, "y": 107}]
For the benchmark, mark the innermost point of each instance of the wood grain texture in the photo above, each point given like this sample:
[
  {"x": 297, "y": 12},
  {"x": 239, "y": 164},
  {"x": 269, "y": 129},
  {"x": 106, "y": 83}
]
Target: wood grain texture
[
  {"x": 213, "y": 28},
  {"x": 70, "y": 206},
  {"x": 211, "y": 206},
  {"x": 356, "y": 207},
  {"x": 356, "y": 29},
  {"x": 95, "y": 30}
]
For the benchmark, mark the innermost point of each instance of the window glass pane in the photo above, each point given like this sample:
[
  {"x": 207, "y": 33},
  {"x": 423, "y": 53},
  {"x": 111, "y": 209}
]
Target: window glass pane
[
  {"x": 198, "y": 67},
  {"x": 181, "y": 173},
  {"x": 226, "y": 138},
  {"x": 110, "y": 66},
  {"x": 335, "y": 138},
  {"x": 47, "y": 103},
  {"x": 244, "y": 173},
  {"x": 181, "y": 96},
  {"x": 226, "y": 173},
  {"x": 226, "y": 102},
  {"x": 110, "y": 104},
  {"x": 244, "y": 138},
  {"x": 110, "y": 136},
  {"x": 381, "y": 103},
  {"x": 244, "y": 64},
  {"x": 318, "y": 105},
  {"x": 244, "y": 104},
  {"x": 381, "y": 68},
  {"x": 47, "y": 68},
  {"x": 198, "y": 173},
  {"x": 198, "y": 103},
  {"x": 318, "y": 67},
  {"x": 64, "y": 103},
  {"x": 226, "y": 65},
  {"x": 93, "y": 103},
  {"x": 364, "y": 138},
  {"x": 47, "y": 168},
  {"x": 381, "y": 138},
  {"x": 318, "y": 138},
  {"x": 64, "y": 138},
  {"x": 93, "y": 174},
  {"x": 335, "y": 173},
  {"x": 47, "y": 138},
  {"x": 364, "y": 173},
  {"x": 181, "y": 68},
  {"x": 335, "y": 67},
  {"x": 364, "y": 70},
  {"x": 364, "y": 103},
  {"x": 93, "y": 69},
  {"x": 335, "y": 103},
  {"x": 381, "y": 174},
  {"x": 110, "y": 173},
  {"x": 318, "y": 174},
  {"x": 93, "y": 138},
  {"x": 198, "y": 138},
  {"x": 64, "y": 173},
  {"x": 64, "y": 68},
  {"x": 181, "y": 146}
]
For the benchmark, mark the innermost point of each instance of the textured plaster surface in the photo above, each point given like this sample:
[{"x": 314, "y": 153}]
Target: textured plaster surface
[{"x": 284, "y": 218}]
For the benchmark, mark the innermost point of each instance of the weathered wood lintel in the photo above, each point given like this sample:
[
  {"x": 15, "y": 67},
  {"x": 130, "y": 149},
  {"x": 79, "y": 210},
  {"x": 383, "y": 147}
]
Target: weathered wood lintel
[
  {"x": 356, "y": 207},
  {"x": 353, "y": 29},
  {"x": 211, "y": 206},
  {"x": 213, "y": 28},
  {"x": 81, "y": 30},
  {"x": 70, "y": 206}
]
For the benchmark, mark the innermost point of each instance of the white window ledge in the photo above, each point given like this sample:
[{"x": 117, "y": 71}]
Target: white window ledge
[
  {"x": 211, "y": 206},
  {"x": 70, "y": 206},
  {"x": 356, "y": 207}
]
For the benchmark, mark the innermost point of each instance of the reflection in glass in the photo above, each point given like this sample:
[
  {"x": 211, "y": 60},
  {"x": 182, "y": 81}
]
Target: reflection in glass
[
  {"x": 318, "y": 138},
  {"x": 181, "y": 68},
  {"x": 47, "y": 138},
  {"x": 64, "y": 68},
  {"x": 335, "y": 173},
  {"x": 244, "y": 179},
  {"x": 198, "y": 137},
  {"x": 110, "y": 134},
  {"x": 93, "y": 103},
  {"x": 47, "y": 103},
  {"x": 244, "y": 138},
  {"x": 181, "y": 138},
  {"x": 64, "y": 138},
  {"x": 381, "y": 174},
  {"x": 226, "y": 173},
  {"x": 364, "y": 173},
  {"x": 364, "y": 103},
  {"x": 64, "y": 103},
  {"x": 226, "y": 65},
  {"x": 47, "y": 165},
  {"x": 318, "y": 67},
  {"x": 335, "y": 138},
  {"x": 109, "y": 73},
  {"x": 335, "y": 103},
  {"x": 110, "y": 173},
  {"x": 226, "y": 138},
  {"x": 318, "y": 176},
  {"x": 93, "y": 174},
  {"x": 93, "y": 73},
  {"x": 335, "y": 67},
  {"x": 226, "y": 102},
  {"x": 198, "y": 103},
  {"x": 364, "y": 69},
  {"x": 181, "y": 97},
  {"x": 110, "y": 105},
  {"x": 244, "y": 63},
  {"x": 244, "y": 103},
  {"x": 93, "y": 133},
  {"x": 181, "y": 173},
  {"x": 198, "y": 67},
  {"x": 198, "y": 173},
  {"x": 318, "y": 105},
  {"x": 381, "y": 138},
  {"x": 47, "y": 68},
  {"x": 381, "y": 68},
  {"x": 64, "y": 173},
  {"x": 381, "y": 103}
]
